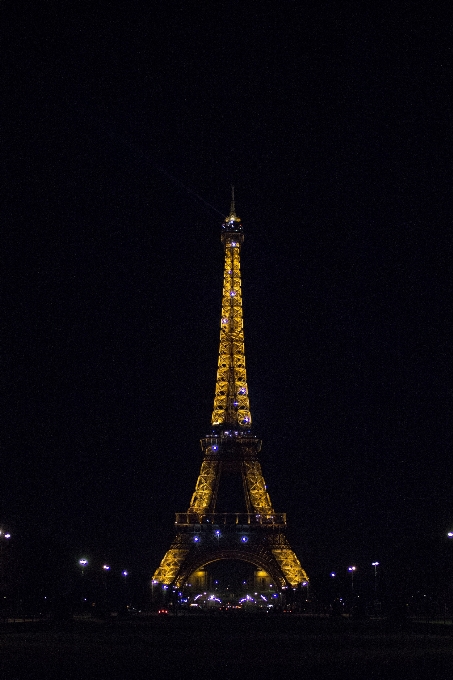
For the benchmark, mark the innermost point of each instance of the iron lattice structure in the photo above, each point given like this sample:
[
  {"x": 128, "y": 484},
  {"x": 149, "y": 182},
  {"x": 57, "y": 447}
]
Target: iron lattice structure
[{"x": 204, "y": 535}]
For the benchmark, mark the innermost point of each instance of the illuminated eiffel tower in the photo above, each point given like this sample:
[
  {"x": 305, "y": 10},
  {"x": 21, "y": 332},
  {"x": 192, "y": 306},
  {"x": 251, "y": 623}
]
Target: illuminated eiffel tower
[{"x": 203, "y": 534}]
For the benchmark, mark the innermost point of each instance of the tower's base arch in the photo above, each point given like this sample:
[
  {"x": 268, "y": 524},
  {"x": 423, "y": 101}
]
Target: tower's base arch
[{"x": 265, "y": 547}]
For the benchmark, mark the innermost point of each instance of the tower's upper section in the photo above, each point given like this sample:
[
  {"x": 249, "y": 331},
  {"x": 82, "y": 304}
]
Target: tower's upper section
[
  {"x": 232, "y": 226},
  {"x": 231, "y": 402}
]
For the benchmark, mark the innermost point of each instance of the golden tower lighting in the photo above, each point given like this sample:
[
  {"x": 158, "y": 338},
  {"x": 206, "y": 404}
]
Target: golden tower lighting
[{"x": 258, "y": 534}]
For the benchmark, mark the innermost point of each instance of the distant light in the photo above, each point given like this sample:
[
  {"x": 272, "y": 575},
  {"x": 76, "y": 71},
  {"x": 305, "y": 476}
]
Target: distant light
[
  {"x": 374, "y": 564},
  {"x": 450, "y": 534},
  {"x": 232, "y": 294},
  {"x": 83, "y": 562},
  {"x": 217, "y": 533},
  {"x": 244, "y": 539},
  {"x": 7, "y": 535},
  {"x": 196, "y": 539},
  {"x": 352, "y": 568},
  {"x": 106, "y": 567},
  {"x": 333, "y": 574},
  {"x": 125, "y": 573},
  {"x": 214, "y": 448}
]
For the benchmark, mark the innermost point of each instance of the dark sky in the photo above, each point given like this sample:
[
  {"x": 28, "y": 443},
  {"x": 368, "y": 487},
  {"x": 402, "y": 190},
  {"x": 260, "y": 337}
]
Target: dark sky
[{"x": 123, "y": 132}]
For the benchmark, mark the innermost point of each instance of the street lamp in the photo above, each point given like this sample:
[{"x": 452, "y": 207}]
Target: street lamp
[
  {"x": 83, "y": 563},
  {"x": 3, "y": 535},
  {"x": 375, "y": 565},
  {"x": 352, "y": 570},
  {"x": 153, "y": 583}
]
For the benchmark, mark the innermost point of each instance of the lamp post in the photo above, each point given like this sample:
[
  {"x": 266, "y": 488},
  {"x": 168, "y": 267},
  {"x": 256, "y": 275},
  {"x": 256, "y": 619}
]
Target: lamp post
[
  {"x": 4, "y": 537},
  {"x": 83, "y": 563},
  {"x": 375, "y": 565},
  {"x": 126, "y": 601},
  {"x": 352, "y": 570},
  {"x": 105, "y": 569}
]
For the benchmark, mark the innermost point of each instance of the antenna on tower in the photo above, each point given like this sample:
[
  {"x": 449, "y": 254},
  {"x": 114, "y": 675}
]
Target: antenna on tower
[{"x": 233, "y": 207}]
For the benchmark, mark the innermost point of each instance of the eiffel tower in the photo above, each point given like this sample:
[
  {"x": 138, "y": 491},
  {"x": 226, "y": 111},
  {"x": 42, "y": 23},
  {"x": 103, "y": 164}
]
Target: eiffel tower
[{"x": 203, "y": 534}]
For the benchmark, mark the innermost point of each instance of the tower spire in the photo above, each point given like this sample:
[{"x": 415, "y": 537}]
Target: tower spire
[
  {"x": 233, "y": 207},
  {"x": 232, "y": 217}
]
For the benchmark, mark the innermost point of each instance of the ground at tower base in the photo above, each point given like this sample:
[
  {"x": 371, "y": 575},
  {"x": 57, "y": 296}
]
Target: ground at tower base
[{"x": 226, "y": 647}]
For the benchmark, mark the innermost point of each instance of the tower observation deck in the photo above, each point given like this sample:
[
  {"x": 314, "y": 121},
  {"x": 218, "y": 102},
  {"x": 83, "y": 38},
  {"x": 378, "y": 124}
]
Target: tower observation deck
[{"x": 255, "y": 534}]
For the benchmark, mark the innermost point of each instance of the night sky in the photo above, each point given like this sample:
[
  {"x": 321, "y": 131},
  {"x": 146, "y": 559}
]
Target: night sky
[{"x": 124, "y": 130}]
